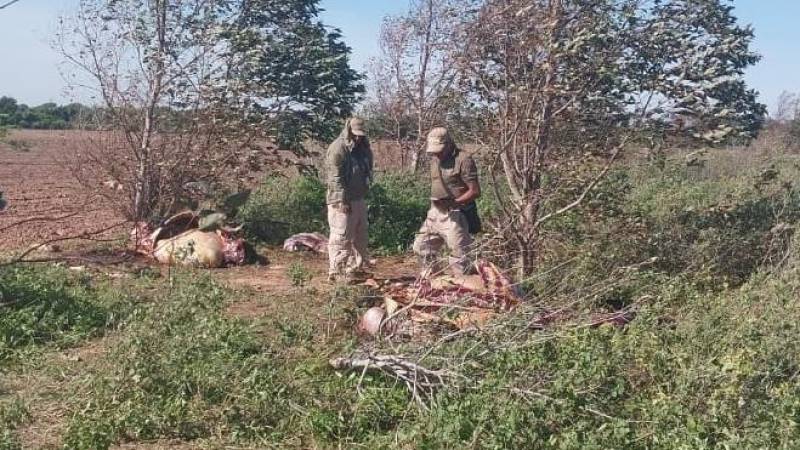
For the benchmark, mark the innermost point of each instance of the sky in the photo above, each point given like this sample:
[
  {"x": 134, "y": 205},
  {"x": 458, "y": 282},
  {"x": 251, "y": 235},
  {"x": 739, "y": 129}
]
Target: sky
[{"x": 29, "y": 68}]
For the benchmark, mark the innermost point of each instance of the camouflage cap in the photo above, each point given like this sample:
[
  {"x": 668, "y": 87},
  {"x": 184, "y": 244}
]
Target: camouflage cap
[
  {"x": 357, "y": 126},
  {"x": 438, "y": 138}
]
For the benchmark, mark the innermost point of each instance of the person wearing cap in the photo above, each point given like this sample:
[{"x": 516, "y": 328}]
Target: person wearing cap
[
  {"x": 454, "y": 185},
  {"x": 348, "y": 166}
]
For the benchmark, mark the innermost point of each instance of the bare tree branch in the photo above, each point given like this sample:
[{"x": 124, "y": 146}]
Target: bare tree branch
[{"x": 6, "y": 5}]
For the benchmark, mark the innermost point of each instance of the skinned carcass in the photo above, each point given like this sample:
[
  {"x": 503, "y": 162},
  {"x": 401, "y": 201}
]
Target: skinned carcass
[
  {"x": 314, "y": 242},
  {"x": 450, "y": 302},
  {"x": 180, "y": 241}
]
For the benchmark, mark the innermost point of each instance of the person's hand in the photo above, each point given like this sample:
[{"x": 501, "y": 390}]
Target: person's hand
[
  {"x": 444, "y": 203},
  {"x": 344, "y": 207}
]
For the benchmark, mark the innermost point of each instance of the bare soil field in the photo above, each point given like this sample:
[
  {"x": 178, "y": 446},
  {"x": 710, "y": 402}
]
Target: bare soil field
[{"x": 45, "y": 202}]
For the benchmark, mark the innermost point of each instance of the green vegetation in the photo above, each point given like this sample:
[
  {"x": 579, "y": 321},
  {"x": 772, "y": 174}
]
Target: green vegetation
[
  {"x": 51, "y": 307},
  {"x": 283, "y": 207},
  {"x": 397, "y": 205},
  {"x": 704, "y": 259},
  {"x": 13, "y": 414},
  {"x": 183, "y": 370},
  {"x": 47, "y": 116},
  {"x": 298, "y": 274}
]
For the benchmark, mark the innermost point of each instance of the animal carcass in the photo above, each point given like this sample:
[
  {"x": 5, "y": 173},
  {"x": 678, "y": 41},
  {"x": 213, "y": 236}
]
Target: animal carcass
[
  {"x": 193, "y": 248},
  {"x": 180, "y": 241}
]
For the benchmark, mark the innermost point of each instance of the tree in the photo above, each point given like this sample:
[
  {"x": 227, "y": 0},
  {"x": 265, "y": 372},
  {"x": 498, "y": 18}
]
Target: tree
[
  {"x": 300, "y": 73},
  {"x": 201, "y": 90},
  {"x": 692, "y": 55},
  {"x": 416, "y": 72},
  {"x": 788, "y": 107},
  {"x": 567, "y": 84}
]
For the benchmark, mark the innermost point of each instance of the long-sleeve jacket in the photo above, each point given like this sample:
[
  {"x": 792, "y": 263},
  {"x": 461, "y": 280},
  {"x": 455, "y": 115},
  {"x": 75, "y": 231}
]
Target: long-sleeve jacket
[{"x": 348, "y": 168}]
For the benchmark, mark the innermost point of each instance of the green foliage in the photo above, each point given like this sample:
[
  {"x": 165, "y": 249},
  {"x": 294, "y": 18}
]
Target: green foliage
[
  {"x": 185, "y": 371},
  {"x": 398, "y": 203},
  {"x": 13, "y": 414},
  {"x": 47, "y": 116},
  {"x": 677, "y": 38},
  {"x": 723, "y": 229},
  {"x": 301, "y": 61},
  {"x": 343, "y": 418},
  {"x": 50, "y": 306},
  {"x": 720, "y": 223},
  {"x": 298, "y": 274},
  {"x": 281, "y": 207}
]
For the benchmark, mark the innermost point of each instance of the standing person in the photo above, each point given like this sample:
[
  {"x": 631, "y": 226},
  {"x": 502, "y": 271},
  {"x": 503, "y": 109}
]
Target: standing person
[
  {"x": 453, "y": 214},
  {"x": 348, "y": 166}
]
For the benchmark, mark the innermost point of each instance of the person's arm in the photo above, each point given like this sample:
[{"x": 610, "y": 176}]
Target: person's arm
[
  {"x": 472, "y": 193},
  {"x": 335, "y": 167},
  {"x": 469, "y": 174},
  {"x": 370, "y": 162}
]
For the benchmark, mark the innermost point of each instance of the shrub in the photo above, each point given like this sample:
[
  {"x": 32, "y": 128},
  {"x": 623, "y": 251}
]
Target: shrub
[
  {"x": 281, "y": 207},
  {"x": 298, "y": 274},
  {"x": 718, "y": 226},
  {"x": 398, "y": 204},
  {"x": 721, "y": 230}
]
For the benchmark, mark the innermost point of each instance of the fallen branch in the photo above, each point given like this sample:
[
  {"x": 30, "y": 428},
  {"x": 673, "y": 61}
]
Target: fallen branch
[
  {"x": 86, "y": 235},
  {"x": 43, "y": 219},
  {"x": 421, "y": 382}
]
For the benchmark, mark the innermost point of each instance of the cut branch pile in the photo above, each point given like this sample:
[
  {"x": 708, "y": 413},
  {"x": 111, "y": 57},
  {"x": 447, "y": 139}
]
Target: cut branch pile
[{"x": 421, "y": 382}]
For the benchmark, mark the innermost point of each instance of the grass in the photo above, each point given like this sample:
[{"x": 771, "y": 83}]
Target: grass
[
  {"x": 183, "y": 371},
  {"x": 52, "y": 308},
  {"x": 709, "y": 360},
  {"x": 13, "y": 414}
]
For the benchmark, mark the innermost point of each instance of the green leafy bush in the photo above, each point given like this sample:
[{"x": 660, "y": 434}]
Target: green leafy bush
[
  {"x": 719, "y": 227},
  {"x": 721, "y": 230},
  {"x": 281, "y": 207},
  {"x": 299, "y": 274},
  {"x": 398, "y": 203}
]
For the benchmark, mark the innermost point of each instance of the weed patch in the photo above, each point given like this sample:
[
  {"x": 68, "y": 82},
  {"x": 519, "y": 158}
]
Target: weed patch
[
  {"x": 48, "y": 305},
  {"x": 183, "y": 371}
]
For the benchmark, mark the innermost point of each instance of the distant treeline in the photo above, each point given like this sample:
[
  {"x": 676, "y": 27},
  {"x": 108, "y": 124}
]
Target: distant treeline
[{"x": 48, "y": 116}]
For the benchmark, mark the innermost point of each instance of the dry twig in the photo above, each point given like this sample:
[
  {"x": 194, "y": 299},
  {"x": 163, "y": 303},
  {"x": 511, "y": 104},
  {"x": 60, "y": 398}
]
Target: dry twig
[{"x": 421, "y": 382}]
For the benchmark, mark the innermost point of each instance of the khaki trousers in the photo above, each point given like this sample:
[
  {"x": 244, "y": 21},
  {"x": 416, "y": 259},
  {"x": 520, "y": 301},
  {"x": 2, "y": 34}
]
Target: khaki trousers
[
  {"x": 444, "y": 227},
  {"x": 347, "y": 244}
]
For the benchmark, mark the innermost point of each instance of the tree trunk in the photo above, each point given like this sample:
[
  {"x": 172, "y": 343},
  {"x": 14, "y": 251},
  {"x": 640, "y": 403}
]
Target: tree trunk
[
  {"x": 527, "y": 259},
  {"x": 143, "y": 200}
]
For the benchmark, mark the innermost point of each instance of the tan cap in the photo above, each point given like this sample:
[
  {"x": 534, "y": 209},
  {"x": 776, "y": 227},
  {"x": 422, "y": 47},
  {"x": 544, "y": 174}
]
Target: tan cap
[
  {"x": 357, "y": 126},
  {"x": 438, "y": 138}
]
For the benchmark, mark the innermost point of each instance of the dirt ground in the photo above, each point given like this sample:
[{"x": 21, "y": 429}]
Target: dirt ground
[{"x": 41, "y": 192}]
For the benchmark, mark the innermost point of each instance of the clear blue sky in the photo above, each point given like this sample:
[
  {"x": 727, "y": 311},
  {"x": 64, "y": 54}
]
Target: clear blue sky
[{"x": 29, "y": 68}]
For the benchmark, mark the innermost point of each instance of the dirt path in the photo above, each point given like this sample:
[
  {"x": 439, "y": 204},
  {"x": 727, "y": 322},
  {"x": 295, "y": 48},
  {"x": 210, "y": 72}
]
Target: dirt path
[{"x": 270, "y": 298}]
